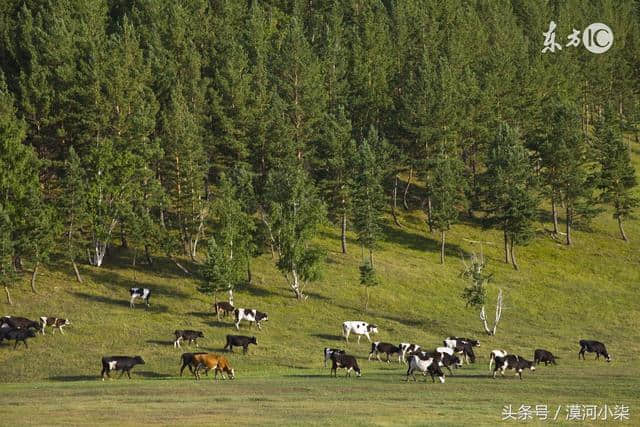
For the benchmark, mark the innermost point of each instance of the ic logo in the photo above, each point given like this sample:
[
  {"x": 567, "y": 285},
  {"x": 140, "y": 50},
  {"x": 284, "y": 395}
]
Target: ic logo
[{"x": 597, "y": 38}]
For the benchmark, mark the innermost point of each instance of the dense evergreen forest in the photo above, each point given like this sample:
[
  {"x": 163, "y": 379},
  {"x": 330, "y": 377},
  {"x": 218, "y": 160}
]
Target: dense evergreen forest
[{"x": 217, "y": 130}]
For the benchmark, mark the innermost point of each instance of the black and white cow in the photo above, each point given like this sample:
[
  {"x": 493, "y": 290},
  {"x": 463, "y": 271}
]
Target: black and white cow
[
  {"x": 17, "y": 335},
  {"x": 429, "y": 365},
  {"x": 540, "y": 355},
  {"x": 494, "y": 354},
  {"x": 593, "y": 347},
  {"x": 463, "y": 347},
  {"x": 143, "y": 293},
  {"x": 329, "y": 351},
  {"x": 386, "y": 348},
  {"x": 187, "y": 334},
  {"x": 511, "y": 361},
  {"x": 18, "y": 323},
  {"x": 359, "y": 328},
  {"x": 239, "y": 341},
  {"x": 188, "y": 361},
  {"x": 250, "y": 315},
  {"x": 345, "y": 361},
  {"x": 443, "y": 355},
  {"x": 407, "y": 348},
  {"x": 119, "y": 363},
  {"x": 54, "y": 322}
]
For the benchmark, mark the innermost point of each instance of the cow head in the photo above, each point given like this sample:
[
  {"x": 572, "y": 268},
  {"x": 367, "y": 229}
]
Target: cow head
[
  {"x": 252, "y": 340},
  {"x": 607, "y": 356},
  {"x": 261, "y": 316},
  {"x": 200, "y": 334},
  {"x": 373, "y": 329},
  {"x": 30, "y": 333},
  {"x": 138, "y": 360}
]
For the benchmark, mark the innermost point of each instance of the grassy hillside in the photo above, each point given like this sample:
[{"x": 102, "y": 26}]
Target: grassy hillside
[{"x": 560, "y": 295}]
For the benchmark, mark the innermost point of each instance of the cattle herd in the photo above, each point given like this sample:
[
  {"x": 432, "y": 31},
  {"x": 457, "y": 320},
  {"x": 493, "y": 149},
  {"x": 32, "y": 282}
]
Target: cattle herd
[{"x": 454, "y": 352}]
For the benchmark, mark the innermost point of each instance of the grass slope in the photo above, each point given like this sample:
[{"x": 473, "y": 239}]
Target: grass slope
[{"x": 560, "y": 296}]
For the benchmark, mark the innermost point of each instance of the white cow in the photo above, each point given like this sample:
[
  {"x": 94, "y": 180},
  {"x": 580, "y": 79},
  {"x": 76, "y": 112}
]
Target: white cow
[
  {"x": 406, "y": 348},
  {"x": 359, "y": 328},
  {"x": 494, "y": 354},
  {"x": 429, "y": 365}
]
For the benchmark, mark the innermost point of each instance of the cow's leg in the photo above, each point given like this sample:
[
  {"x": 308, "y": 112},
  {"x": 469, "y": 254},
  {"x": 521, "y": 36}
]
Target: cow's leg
[
  {"x": 388, "y": 358},
  {"x": 102, "y": 372},
  {"x": 122, "y": 373},
  {"x": 129, "y": 373},
  {"x": 366, "y": 334},
  {"x": 60, "y": 328},
  {"x": 133, "y": 298},
  {"x": 520, "y": 373},
  {"x": 359, "y": 336},
  {"x": 449, "y": 369},
  {"x": 43, "y": 325},
  {"x": 245, "y": 348},
  {"x": 259, "y": 325},
  {"x": 238, "y": 324},
  {"x": 581, "y": 353}
]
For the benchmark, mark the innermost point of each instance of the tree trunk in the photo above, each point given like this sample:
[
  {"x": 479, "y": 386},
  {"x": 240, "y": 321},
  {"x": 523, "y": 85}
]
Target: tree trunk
[
  {"x": 343, "y": 236},
  {"x": 506, "y": 246},
  {"x": 429, "y": 212},
  {"x": 366, "y": 299},
  {"x": 395, "y": 202},
  {"x": 295, "y": 285},
  {"x": 179, "y": 265},
  {"x": 6, "y": 290},
  {"x": 147, "y": 254},
  {"x": 554, "y": 213},
  {"x": 231, "y": 296},
  {"x": 33, "y": 277},
  {"x": 371, "y": 258},
  {"x": 249, "y": 275},
  {"x": 75, "y": 269},
  {"x": 622, "y": 233},
  {"x": 513, "y": 255},
  {"x": 123, "y": 237},
  {"x": 569, "y": 220},
  {"x": 215, "y": 303},
  {"x": 442, "y": 238},
  {"x": 406, "y": 190}
]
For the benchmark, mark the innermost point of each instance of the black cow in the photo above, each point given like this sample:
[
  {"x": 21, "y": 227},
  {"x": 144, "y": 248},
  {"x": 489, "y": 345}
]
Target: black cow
[
  {"x": 239, "y": 341},
  {"x": 344, "y": 361},
  {"x": 17, "y": 335},
  {"x": 187, "y": 334},
  {"x": 329, "y": 351},
  {"x": 18, "y": 323},
  {"x": 119, "y": 363},
  {"x": 593, "y": 347},
  {"x": 545, "y": 356},
  {"x": 224, "y": 308},
  {"x": 511, "y": 361},
  {"x": 187, "y": 361},
  {"x": 386, "y": 348}
]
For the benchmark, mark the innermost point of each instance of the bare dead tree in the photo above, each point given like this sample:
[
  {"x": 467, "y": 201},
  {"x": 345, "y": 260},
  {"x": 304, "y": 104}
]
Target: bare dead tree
[{"x": 483, "y": 316}]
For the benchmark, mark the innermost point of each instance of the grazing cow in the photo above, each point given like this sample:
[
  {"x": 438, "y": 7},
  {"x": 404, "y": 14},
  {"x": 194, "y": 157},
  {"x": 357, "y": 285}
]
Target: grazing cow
[
  {"x": 358, "y": 328},
  {"x": 143, "y": 293},
  {"x": 223, "y": 308},
  {"x": 386, "y": 348},
  {"x": 545, "y": 356},
  {"x": 250, "y": 315},
  {"x": 19, "y": 323},
  {"x": 17, "y": 335},
  {"x": 54, "y": 322},
  {"x": 187, "y": 361},
  {"x": 213, "y": 361},
  {"x": 494, "y": 354},
  {"x": 593, "y": 347},
  {"x": 339, "y": 360},
  {"x": 452, "y": 342},
  {"x": 191, "y": 336},
  {"x": 429, "y": 365},
  {"x": 329, "y": 351},
  {"x": 407, "y": 348},
  {"x": 511, "y": 361},
  {"x": 119, "y": 363},
  {"x": 239, "y": 341}
]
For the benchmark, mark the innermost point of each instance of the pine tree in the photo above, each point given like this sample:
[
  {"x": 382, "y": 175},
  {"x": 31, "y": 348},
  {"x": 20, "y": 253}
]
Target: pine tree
[
  {"x": 509, "y": 183},
  {"x": 368, "y": 192},
  {"x": 72, "y": 208},
  {"x": 617, "y": 177},
  {"x": 446, "y": 189}
]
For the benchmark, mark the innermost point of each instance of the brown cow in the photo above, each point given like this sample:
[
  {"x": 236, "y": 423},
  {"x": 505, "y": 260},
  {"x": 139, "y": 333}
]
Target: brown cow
[
  {"x": 223, "y": 308},
  {"x": 213, "y": 361}
]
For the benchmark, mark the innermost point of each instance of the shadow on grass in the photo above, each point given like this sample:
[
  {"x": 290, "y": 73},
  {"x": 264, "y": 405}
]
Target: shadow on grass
[
  {"x": 160, "y": 342},
  {"x": 72, "y": 378},
  {"x": 151, "y": 374},
  {"x": 421, "y": 242},
  {"x": 259, "y": 291},
  {"x": 329, "y": 337},
  {"x": 153, "y": 308},
  {"x": 315, "y": 295},
  {"x": 119, "y": 283}
]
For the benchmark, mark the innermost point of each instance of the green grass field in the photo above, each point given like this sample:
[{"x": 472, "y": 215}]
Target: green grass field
[{"x": 560, "y": 295}]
